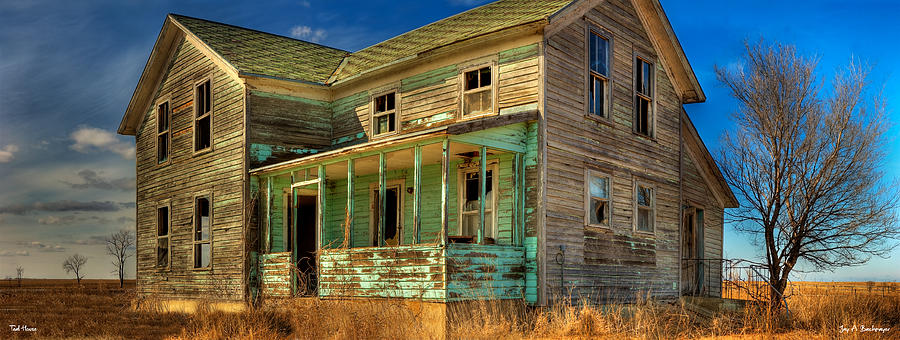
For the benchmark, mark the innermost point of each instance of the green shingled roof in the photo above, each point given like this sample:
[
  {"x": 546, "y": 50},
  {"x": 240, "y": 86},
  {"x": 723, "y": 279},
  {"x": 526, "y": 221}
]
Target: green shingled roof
[
  {"x": 478, "y": 21},
  {"x": 261, "y": 53},
  {"x": 266, "y": 54}
]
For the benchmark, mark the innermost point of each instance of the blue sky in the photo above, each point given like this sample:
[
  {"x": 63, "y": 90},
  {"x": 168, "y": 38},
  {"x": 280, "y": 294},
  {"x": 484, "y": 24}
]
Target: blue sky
[{"x": 68, "y": 69}]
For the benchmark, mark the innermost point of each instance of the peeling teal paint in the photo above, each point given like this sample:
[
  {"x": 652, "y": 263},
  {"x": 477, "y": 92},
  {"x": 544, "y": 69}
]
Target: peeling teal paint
[
  {"x": 518, "y": 53},
  {"x": 347, "y": 139},
  {"x": 262, "y": 152},
  {"x": 430, "y": 120}
]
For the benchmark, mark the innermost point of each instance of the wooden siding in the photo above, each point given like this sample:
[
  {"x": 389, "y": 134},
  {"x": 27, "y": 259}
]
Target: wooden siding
[
  {"x": 612, "y": 262},
  {"x": 697, "y": 193},
  {"x": 477, "y": 272},
  {"x": 286, "y": 127},
  {"x": 275, "y": 275},
  {"x": 219, "y": 173}
]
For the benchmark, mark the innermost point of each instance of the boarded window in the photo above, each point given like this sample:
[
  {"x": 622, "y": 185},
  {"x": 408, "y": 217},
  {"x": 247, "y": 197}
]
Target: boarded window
[
  {"x": 202, "y": 225},
  {"x": 203, "y": 116},
  {"x": 384, "y": 113},
  {"x": 645, "y": 213},
  {"x": 478, "y": 96},
  {"x": 163, "y": 118},
  {"x": 470, "y": 189},
  {"x": 598, "y": 81},
  {"x": 598, "y": 200},
  {"x": 643, "y": 96},
  {"x": 163, "y": 228}
]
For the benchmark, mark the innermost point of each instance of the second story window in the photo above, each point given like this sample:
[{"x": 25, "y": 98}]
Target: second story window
[
  {"x": 202, "y": 225},
  {"x": 598, "y": 79},
  {"x": 202, "y": 116},
  {"x": 384, "y": 113},
  {"x": 643, "y": 96},
  {"x": 163, "y": 119},
  {"x": 478, "y": 97}
]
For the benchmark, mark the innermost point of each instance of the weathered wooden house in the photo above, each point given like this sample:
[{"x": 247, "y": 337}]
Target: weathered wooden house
[{"x": 520, "y": 150}]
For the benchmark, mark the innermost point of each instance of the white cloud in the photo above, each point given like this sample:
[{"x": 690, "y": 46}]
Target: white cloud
[
  {"x": 90, "y": 138},
  {"x": 43, "y": 246},
  {"x": 6, "y": 153},
  {"x": 305, "y": 4},
  {"x": 308, "y": 33},
  {"x": 14, "y": 253}
]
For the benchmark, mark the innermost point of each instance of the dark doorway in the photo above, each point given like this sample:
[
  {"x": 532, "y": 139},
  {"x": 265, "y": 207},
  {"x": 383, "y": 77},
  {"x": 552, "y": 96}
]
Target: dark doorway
[
  {"x": 692, "y": 262},
  {"x": 392, "y": 226},
  {"x": 305, "y": 241}
]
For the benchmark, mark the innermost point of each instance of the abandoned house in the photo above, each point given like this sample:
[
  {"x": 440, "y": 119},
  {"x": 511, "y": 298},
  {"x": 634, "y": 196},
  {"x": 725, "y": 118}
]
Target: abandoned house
[{"x": 528, "y": 150}]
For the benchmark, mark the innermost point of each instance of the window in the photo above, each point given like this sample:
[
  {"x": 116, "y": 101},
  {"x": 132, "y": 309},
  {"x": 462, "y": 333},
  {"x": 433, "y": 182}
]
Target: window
[
  {"x": 644, "y": 199},
  {"x": 598, "y": 205},
  {"x": 470, "y": 216},
  {"x": 478, "y": 96},
  {"x": 643, "y": 96},
  {"x": 393, "y": 215},
  {"x": 202, "y": 116},
  {"x": 163, "y": 119},
  {"x": 202, "y": 224},
  {"x": 598, "y": 77},
  {"x": 384, "y": 113},
  {"x": 163, "y": 229}
]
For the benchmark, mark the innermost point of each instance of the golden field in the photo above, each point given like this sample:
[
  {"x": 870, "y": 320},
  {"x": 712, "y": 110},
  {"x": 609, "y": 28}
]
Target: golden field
[{"x": 99, "y": 309}]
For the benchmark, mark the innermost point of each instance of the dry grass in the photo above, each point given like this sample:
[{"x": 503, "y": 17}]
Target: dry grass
[{"x": 60, "y": 311}]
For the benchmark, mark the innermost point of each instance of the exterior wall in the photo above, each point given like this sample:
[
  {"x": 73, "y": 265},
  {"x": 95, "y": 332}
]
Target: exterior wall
[
  {"x": 697, "y": 193},
  {"x": 286, "y": 127},
  {"x": 219, "y": 173},
  {"x": 614, "y": 262}
]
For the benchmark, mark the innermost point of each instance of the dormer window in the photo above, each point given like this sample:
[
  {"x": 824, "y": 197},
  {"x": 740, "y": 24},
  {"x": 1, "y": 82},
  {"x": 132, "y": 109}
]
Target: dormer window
[
  {"x": 478, "y": 94},
  {"x": 384, "y": 113}
]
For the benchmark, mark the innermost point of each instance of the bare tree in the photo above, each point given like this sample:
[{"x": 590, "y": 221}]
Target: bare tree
[
  {"x": 806, "y": 164},
  {"x": 19, "y": 272},
  {"x": 120, "y": 247},
  {"x": 73, "y": 264}
]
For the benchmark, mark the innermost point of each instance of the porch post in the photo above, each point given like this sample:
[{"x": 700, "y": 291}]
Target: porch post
[
  {"x": 269, "y": 201},
  {"x": 516, "y": 204},
  {"x": 417, "y": 197},
  {"x": 381, "y": 200},
  {"x": 445, "y": 192},
  {"x": 349, "y": 203},
  {"x": 521, "y": 201},
  {"x": 321, "y": 188},
  {"x": 482, "y": 191}
]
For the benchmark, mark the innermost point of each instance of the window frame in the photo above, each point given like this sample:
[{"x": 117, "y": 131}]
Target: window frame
[
  {"x": 196, "y": 118},
  {"x": 474, "y": 167},
  {"x": 492, "y": 65},
  {"x": 195, "y": 223},
  {"x": 168, "y": 205},
  {"x": 593, "y": 28},
  {"x": 588, "y": 173},
  {"x": 372, "y": 114},
  {"x": 373, "y": 223},
  {"x": 168, "y": 101},
  {"x": 635, "y": 207},
  {"x": 651, "y": 114}
]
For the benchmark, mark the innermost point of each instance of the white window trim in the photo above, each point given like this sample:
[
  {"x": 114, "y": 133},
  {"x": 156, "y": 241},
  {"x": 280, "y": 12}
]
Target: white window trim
[
  {"x": 195, "y": 118},
  {"x": 167, "y": 100},
  {"x": 195, "y": 223},
  {"x": 396, "y": 111},
  {"x": 592, "y": 28},
  {"x": 462, "y": 88},
  {"x": 653, "y": 188},
  {"x": 493, "y": 165},
  {"x": 588, "y": 173},
  {"x": 168, "y": 205},
  {"x": 373, "y": 224},
  {"x": 651, "y": 119}
]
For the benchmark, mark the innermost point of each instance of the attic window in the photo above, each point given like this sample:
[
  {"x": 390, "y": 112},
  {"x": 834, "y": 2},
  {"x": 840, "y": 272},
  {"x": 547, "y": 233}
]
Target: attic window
[
  {"x": 202, "y": 116},
  {"x": 163, "y": 118},
  {"x": 643, "y": 96},
  {"x": 384, "y": 113},
  {"x": 478, "y": 94},
  {"x": 598, "y": 77}
]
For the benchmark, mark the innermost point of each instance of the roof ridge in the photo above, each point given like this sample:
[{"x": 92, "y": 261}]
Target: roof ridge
[{"x": 258, "y": 31}]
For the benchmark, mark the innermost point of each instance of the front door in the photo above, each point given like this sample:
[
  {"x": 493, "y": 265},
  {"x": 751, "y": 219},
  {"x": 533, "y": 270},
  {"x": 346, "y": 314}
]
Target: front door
[
  {"x": 691, "y": 262},
  {"x": 306, "y": 221}
]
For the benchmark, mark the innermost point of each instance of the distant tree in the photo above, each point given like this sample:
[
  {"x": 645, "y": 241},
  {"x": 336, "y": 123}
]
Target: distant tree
[
  {"x": 19, "y": 272},
  {"x": 73, "y": 264},
  {"x": 119, "y": 246},
  {"x": 807, "y": 165}
]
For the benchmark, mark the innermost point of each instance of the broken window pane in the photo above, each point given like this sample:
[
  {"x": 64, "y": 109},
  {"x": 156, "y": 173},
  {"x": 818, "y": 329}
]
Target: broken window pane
[
  {"x": 390, "y": 101},
  {"x": 644, "y": 196},
  {"x": 485, "y": 75},
  {"x": 203, "y": 133},
  {"x": 471, "y": 80},
  {"x": 162, "y": 116},
  {"x": 162, "y": 252},
  {"x": 599, "y": 212},
  {"x": 162, "y": 221},
  {"x": 642, "y": 115}
]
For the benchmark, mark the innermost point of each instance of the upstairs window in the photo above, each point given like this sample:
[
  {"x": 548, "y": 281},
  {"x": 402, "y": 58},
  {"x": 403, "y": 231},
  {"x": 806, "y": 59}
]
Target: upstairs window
[
  {"x": 643, "y": 96},
  {"x": 202, "y": 225},
  {"x": 163, "y": 244},
  {"x": 384, "y": 113},
  {"x": 598, "y": 77},
  {"x": 644, "y": 199},
  {"x": 598, "y": 206},
  {"x": 478, "y": 94},
  {"x": 163, "y": 118},
  {"x": 202, "y": 116}
]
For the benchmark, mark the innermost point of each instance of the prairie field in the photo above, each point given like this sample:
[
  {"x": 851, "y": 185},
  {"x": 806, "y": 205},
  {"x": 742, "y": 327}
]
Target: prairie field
[{"x": 99, "y": 309}]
